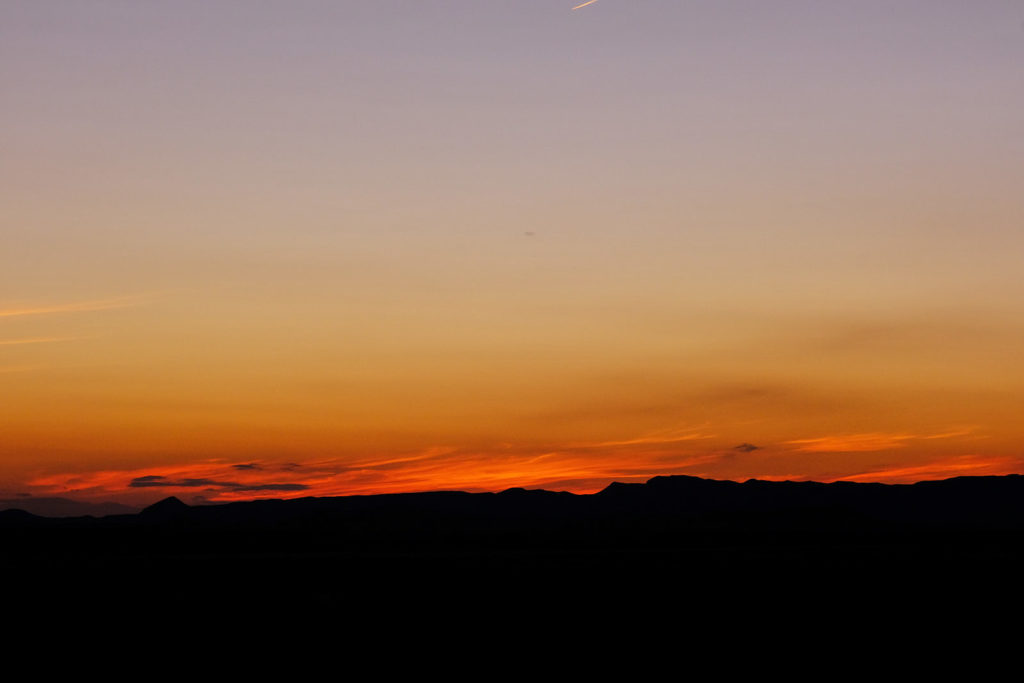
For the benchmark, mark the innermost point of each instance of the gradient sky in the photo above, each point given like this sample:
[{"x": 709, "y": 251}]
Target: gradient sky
[{"x": 272, "y": 248}]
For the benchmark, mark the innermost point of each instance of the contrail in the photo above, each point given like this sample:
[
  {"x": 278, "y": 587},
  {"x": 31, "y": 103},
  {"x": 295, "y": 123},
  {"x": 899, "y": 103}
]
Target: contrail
[
  {"x": 102, "y": 305},
  {"x": 588, "y": 2},
  {"x": 37, "y": 340}
]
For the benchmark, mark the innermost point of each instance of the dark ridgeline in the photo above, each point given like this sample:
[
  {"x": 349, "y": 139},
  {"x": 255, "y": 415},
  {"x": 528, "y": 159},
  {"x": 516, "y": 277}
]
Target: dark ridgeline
[
  {"x": 683, "y": 538},
  {"x": 63, "y": 507}
]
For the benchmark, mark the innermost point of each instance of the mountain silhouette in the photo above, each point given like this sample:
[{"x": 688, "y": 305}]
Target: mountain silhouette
[
  {"x": 167, "y": 508},
  {"x": 793, "y": 538},
  {"x": 681, "y": 503},
  {"x": 64, "y": 507}
]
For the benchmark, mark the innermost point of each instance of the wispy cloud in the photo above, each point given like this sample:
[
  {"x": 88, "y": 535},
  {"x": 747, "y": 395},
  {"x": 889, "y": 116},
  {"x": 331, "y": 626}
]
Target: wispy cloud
[
  {"x": 36, "y": 340},
  {"x": 659, "y": 437},
  {"x": 852, "y": 443},
  {"x": 218, "y": 480},
  {"x": 74, "y": 307},
  {"x": 582, "y": 468},
  {"x": 864, "y": 443},
  {"x": 944, "y": 468},
  {"x": 160, "y": 481},
  {"x": 588, "y": 2}
]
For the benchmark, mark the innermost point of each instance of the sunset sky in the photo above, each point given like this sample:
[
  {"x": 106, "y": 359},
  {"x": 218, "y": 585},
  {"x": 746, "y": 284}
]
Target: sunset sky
[{"x": 321, "y": 247}]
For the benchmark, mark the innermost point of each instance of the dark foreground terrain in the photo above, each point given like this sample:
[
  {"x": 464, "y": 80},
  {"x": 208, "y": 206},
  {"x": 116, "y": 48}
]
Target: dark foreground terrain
[{"x": 681, "y": 544}]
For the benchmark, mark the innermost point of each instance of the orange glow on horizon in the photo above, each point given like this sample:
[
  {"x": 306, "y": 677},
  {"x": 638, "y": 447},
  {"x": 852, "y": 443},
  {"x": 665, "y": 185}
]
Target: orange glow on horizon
[
  {"x": 578, "y": 470},
  {"x": 382, "y": 247}
]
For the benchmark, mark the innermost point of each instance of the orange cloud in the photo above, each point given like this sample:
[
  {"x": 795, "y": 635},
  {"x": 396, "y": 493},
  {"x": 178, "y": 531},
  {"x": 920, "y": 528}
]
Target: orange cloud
[
  {"x": 660, "y": 437},
  {"x": 852, "y": 443},
  {"x": 582, "y": 469},
  {"x": 863, "y": 443},
  {"x": 437, "y": 469},
  {"x": 961, "y": 465}
]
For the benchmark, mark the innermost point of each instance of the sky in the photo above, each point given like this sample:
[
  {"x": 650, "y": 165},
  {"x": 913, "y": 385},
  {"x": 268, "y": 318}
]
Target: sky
[{"x": 276, "y": 249}]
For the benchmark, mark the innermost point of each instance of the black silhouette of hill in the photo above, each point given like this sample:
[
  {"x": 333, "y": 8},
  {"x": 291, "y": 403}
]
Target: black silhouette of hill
[
  {"x": 621, "y": 513},
  {"x": 168, "y": 508},
  {"x": 64, "y": 507},
  {"x": 672, "y": 533}
]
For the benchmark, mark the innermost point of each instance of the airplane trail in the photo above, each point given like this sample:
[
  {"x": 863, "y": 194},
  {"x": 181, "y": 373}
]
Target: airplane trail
[
  {"x": 101, "y": 305},
  {"x": 588, "y": 2},
  {"x": 36, "y": 340}
]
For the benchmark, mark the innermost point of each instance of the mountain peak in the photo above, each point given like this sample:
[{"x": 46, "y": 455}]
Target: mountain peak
[{"x": 168, "y": 507}]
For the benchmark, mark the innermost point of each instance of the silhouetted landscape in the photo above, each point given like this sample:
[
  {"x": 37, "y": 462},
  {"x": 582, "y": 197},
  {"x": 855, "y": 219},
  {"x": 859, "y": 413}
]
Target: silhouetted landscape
[
  {"x": 378, "y": 258},
  {"x": 693, "y": 536}
]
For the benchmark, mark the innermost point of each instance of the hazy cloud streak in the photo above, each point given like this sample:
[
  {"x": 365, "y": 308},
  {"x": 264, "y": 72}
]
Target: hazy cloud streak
[
  {"x": 37, "y": 340},
  {"x": 78, "y": 307},
  {"x": 961, "y": 465},
  {"x": 863, "y": 443}
]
